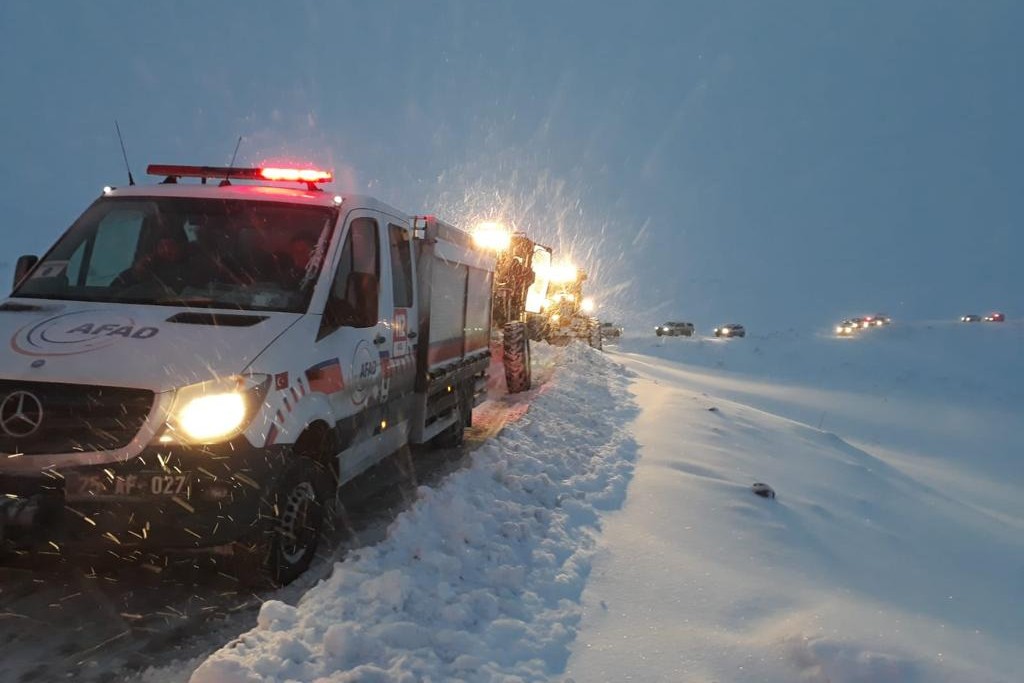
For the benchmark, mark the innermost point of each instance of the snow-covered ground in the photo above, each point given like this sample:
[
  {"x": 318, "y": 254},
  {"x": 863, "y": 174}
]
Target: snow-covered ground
[{"x": 893, "y": 552}]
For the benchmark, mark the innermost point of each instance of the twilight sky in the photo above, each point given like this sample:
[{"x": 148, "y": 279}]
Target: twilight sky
[{"x": 780, "y": 164}]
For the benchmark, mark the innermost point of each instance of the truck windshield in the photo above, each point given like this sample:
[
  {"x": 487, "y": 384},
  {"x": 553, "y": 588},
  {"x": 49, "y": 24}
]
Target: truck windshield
[{"x": 215, "y": 253}]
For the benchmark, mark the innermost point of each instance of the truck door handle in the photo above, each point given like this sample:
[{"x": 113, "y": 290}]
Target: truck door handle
[
  {"x": 378, "y": 340},
  {"x": 411, "y": 335}
]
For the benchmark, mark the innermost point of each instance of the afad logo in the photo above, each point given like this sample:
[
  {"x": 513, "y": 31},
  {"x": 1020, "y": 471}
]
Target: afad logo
[{"x": 80, "y": 332}]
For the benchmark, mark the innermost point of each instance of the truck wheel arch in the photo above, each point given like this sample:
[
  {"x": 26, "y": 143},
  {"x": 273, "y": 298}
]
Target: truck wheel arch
[{"x": 319, "y": 443}]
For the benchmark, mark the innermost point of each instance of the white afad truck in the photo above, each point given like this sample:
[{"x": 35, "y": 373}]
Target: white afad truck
[{"x": 201, "y": 366}]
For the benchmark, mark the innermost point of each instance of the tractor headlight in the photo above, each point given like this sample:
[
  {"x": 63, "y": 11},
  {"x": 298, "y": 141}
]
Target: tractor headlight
[
  {"x": 216, "y": 410},
  {"x": 492, "y": 236}
]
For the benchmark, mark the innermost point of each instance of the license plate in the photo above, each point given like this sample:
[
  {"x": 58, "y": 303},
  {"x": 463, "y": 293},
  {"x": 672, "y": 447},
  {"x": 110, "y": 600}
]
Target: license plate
[{"x": 141, "y": 485}]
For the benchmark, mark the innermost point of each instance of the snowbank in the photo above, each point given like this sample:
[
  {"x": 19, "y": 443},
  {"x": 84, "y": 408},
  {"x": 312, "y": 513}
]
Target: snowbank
[{"x": 481, "y": 579}]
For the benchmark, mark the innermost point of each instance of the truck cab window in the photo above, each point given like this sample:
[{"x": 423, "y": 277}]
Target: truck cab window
[
  {"x": 353, "y": 301},
  {"x": 401, "y": 266},
  {"x": 175, "y": 251},
  {"x": 114, "y": 247}
]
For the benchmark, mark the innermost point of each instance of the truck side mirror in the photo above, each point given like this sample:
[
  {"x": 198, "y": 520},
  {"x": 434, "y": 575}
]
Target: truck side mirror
[{"x": 23, "y": 266}]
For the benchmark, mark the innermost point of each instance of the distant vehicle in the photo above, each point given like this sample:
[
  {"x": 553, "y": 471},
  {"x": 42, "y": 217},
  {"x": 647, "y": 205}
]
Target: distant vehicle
[
  {"x": 610, "y": 331},
  {"x": 995, "y": 318},
  {"x": 847, "y": 328},
  {"x": 970, "y": 318},
  {"x": 674, "y": 330},
  {"x": 861, "y": 323},
  {"x": 730, "y": 330},
  {"x": 879, "y": 319}
]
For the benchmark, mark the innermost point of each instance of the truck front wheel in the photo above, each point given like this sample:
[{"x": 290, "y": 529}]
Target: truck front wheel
[
  {"x": 516, "y": 355},
  {"x": 292, "y": 524}
]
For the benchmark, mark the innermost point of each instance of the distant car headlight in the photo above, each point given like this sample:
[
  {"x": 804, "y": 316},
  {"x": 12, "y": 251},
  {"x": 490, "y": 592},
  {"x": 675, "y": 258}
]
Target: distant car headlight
[{"x": 216, "y": 410}]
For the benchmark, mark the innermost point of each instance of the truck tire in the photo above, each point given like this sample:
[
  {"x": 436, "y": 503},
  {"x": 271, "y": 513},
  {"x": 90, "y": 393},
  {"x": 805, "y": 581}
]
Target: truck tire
[
  {"x": 595, "y": 335},
  {"x": 291, "y": 527},
  {"x": 454, "y": 436},
  {"x": 516, "y": 354}
]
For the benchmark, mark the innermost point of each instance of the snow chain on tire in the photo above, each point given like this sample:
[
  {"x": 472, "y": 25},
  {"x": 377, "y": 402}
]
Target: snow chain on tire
[{"x": 516, "y": 354}]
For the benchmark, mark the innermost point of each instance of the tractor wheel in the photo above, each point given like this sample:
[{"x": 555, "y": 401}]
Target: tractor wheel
[
  {"x": 536, "y": 328},
  {"x": 516, "y": 354}
]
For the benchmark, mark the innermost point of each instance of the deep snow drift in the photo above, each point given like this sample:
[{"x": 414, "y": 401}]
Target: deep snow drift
[{"x": 893, "y": 552}]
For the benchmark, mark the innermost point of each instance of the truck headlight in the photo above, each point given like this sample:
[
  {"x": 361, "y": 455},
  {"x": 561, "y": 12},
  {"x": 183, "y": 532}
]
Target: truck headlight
[{"x": 216, "y": 410}]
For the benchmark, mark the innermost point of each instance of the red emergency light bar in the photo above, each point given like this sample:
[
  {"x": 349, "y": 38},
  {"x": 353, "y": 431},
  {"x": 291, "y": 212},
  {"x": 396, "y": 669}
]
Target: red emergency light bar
[
  {"x": 302, "y": 175},
  {"x": 309, "y": 176}
]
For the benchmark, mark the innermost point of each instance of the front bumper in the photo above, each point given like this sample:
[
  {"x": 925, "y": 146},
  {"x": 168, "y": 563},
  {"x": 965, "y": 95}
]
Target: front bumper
[{"x": 167, "y": 498}]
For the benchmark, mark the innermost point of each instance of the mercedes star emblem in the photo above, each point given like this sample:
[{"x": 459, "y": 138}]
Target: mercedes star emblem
[{"x": 21, "y": 413}]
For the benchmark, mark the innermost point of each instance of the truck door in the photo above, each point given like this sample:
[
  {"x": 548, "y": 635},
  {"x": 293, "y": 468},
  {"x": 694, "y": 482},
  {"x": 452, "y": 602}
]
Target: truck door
[
  {"x": 398, "y": 356},
  {"x": 352, "y": 333}
]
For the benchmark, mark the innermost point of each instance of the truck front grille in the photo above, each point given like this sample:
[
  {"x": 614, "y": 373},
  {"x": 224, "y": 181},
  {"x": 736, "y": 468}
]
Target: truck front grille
[{"x": 44, "y": 417}]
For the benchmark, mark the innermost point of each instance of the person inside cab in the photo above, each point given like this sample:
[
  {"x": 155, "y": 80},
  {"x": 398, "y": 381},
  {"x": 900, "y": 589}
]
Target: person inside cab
[
  {"x": 226, "y": 253},
  {"x": 161, "y": 269},
  {"x": 294, "y": 261}
]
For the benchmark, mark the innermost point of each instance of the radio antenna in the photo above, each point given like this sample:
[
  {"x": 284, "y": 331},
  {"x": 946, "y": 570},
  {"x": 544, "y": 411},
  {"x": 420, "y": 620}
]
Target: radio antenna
[
  {"x": 232, "y": 164},
  {"x": 131, "y": 180}
]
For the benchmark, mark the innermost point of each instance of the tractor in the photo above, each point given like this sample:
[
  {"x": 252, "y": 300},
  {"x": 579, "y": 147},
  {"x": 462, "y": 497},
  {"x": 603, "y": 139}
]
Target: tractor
[
  {"x": 518, "y": 295},
  {"x": 567, "y": 312}
]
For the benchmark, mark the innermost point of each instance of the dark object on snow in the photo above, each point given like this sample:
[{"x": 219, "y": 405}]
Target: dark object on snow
[
  {"x": 763, "y": 490},
  {"x": 713, "y": 409}
]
